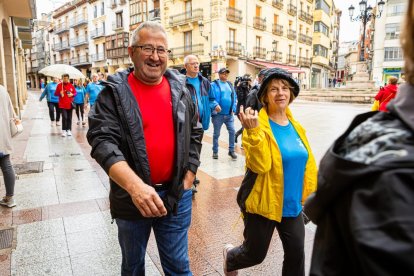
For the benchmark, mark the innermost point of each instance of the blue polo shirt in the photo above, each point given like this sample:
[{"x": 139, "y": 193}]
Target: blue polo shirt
[
  {"x": 225, "y": 98},
  {"x": 197, "y": 98},
  {"x": 93, "y": 89}
]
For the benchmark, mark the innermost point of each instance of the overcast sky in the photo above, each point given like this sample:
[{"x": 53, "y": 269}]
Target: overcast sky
[{"x": 348, "y": 30}]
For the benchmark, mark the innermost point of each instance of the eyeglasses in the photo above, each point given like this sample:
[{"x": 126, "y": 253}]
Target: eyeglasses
[
  {"x": 149, "y": 50},
  {"x": 194, "y": 63}
]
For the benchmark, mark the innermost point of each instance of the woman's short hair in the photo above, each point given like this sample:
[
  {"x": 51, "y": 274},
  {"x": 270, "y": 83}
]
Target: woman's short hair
[{"x": 263, "y": 96}]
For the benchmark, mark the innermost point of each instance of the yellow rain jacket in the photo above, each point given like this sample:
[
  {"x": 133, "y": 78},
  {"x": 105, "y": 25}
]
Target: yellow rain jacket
[{"x": 263, "y": 158}]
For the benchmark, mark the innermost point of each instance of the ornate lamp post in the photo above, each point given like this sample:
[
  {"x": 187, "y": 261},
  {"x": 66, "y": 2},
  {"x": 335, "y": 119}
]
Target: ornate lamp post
[{"x": 365, "y": 15}]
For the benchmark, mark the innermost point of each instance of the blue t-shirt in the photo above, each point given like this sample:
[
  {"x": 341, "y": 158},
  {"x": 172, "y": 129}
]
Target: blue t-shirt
[
  {"x": 93, "y": 89},
  {"x": 294, "y": 158},
  {"x": 80, "y": 95},
  {"x": 197, "y": 98},
  {"x": 225, "y": 98}
]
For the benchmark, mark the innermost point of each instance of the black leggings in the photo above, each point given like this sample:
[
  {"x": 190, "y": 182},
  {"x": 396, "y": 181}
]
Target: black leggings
[
  {"x": 79, "y": 107},
  {"x": 66, "y": 119},
  {"x": 9, "y": 175},
  {"x": 52, "y": 107},
  {"x": 258, "y": 232}
]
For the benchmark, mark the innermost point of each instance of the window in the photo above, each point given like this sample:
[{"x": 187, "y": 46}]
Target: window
[
  {"x": 397, "y": 9},
  {"x": 322, "y": 5},
  {"x": 319, "y": 27},
  {"x": 119, "y": 22},
  {"x": 392, "y": 31},
  {"x": 275, "y": 18},
  {"x": 95, "y": 11},
  {"x": 319, "y": 50},
  {"x": 232, "y": 35},
  {"x": 187, "y": 41},
  {"x": 102, "y": 8},
  {"x": 258, "y": 41},
  {"x": 188, "y": 5},
  {"x": 393, "y": 54},
  {"x": 138, "y": 11}
]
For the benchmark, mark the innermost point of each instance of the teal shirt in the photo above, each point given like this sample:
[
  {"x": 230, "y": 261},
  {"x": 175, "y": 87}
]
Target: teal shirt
[
  {"x": 197, "y": 98},
  {"x": 225, "y": 98},
  {"x": 93, "y": 89}
]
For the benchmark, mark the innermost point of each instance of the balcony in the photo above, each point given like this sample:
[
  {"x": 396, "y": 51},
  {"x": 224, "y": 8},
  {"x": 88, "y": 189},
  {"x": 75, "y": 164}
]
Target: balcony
[
  {"x": 233, "y": 48},
  {"x": 78, "y": 21},
  {"x": 79, "y": 41},
  {"x": 234, "y": 15},
  {"x": 98, "y": 57},
  {"x": 277, "y": 30},
  {"x": 304, "y": 62},
  {"x": 292, "y": 10},
  {"x": 291, "y": 59},
  {"x": 310, "y": 1},
  {"x": 259, "y": 52},
  {"x": 40, "y": 55},
  {"x": 259, "y": 23},
  {"x": 304, "y": 16},
  {"x": 97, "y": 33},
  {"x": 61, "y": 29},
  {"x": 179, "y": 52},
  {"x": 116, "y": 26},
  {"x": 291, "y": 34},
  {"x": 305, "y": 39},
  {"x": 61, "y": 46},
  {"x": 121, "y": 52},
  {"x": 186, "y": 17},
  {"x": 80, "y": 60},
  {"x": 276, "y": 56},
  {"x": 62, "y": 61},
  {"x": 154, "y": 15},
  {"x": 308, "y": 40},
  {"x": 278, "y": 4}
]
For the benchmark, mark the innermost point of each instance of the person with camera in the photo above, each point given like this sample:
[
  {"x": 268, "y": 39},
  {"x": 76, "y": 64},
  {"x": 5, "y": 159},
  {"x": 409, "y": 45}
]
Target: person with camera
[
  {"x": 243, "y": 87},
  {"x": 252, "y": 100},
  {"x": 66, "y": 91}
]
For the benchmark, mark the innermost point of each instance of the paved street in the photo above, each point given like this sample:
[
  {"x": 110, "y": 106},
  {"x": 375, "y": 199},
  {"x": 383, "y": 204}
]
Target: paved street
[{"x": 62, "y": 223}]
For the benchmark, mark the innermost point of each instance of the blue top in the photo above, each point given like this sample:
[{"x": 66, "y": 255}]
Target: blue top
[
  {"x": 294, "y": 158},
  {"x": 80, "y": 95},
  {"x": 50, "y": 93},
  {"x": 93, "y": 89},
  {"x": 197, "y": 98},
  {"x": 223, "y": 94}
]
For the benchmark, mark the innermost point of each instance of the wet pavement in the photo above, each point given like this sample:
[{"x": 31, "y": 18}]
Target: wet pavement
[{"x": 62, "y": 224}]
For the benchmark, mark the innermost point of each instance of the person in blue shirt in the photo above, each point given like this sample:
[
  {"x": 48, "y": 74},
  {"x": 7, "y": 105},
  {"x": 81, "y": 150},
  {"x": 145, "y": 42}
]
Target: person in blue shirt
[
  {"x": 223, "y": 104},
  {"x": 52, "y": 101},
  {"x": 79, "y": 101},
  {"x": 92, "y": 90}
]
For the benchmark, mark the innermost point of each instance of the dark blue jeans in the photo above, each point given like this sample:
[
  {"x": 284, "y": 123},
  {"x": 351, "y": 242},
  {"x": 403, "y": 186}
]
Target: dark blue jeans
[
  {"x": 218, "y": 120},
  {"x": 171, "y": 234}
]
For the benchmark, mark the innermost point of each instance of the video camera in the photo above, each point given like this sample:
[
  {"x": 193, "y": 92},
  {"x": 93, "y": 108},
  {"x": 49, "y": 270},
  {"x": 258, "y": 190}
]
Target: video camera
[{"x": 242, "y": 80}]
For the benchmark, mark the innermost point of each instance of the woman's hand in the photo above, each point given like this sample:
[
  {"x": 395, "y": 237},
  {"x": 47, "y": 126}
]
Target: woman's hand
[{"x": 249, "y": 118}]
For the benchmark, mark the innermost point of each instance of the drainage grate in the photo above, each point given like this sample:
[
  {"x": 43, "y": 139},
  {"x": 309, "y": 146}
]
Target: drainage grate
[
  {"x": 75, "y": 154},
  {"x": 6, "y": 238},
  {"x": 29, "y": 167}
]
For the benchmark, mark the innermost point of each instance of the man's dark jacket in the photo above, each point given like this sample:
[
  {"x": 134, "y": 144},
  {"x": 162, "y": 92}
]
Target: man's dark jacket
[
  {"x": 205, "y": 99},
  {"x": 365, "y": 209},
  {"x": 116, "y": 134},
  {"x": 252, "y": 100}
]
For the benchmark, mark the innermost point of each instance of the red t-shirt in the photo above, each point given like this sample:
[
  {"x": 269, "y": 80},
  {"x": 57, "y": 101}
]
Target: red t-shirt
[{"x": 155, "y": 104}]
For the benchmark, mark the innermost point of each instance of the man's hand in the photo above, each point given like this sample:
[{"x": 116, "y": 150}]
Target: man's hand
[
  {"x": 249, "y": 118},
  {"x": 218, "y": 108},
  {"x": 148, "y": 202},
  {"x": 188, "y": 180}
]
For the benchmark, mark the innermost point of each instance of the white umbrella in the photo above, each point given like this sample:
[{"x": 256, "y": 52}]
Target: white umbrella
[{"x": 57, "y": 70}]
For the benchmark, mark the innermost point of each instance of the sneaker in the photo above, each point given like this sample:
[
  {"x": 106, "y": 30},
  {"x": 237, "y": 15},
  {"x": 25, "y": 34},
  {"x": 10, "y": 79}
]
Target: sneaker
[
  {"x": 8, "y": 201},
  {"x": 52, "y": 123},
  {"x": 78, "y": 123},
  {"x": 57, "y": 123},
  {"x": 232, "y": 155},
  {"x": 69, "y": 133},
  {"x": 63, "y": 133},
  {"x": 215, "y": 155},
  {"x": 226, "y": 249}
]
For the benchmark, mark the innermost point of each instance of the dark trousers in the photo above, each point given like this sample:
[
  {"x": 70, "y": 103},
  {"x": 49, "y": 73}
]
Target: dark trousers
[
  {"x": 238, "y": 133},
  {"x": 79, "y": 108},
  {"x": 52, "y": 107},
  {"x": 66, "y": 119},
  {"x": 258, "y": 233},
  {"x": 8, "y": 174}
]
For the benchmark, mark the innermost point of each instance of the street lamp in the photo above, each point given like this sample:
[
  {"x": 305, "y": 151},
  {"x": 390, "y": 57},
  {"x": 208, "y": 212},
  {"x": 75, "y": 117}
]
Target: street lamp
[
  {"x": 201, "y": 28},
  {"x": 365, "y": 15}
]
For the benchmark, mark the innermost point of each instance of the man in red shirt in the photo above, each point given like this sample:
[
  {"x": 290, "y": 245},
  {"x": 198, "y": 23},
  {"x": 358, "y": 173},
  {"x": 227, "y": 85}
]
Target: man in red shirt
[
  {"x": 144, "y": 132},
  {"x": 66, "y": 91}
]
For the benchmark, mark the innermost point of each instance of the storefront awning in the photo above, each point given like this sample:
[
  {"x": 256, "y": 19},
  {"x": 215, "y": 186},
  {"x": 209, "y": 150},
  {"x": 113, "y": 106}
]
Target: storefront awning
[{"x": 264, "y": 64}]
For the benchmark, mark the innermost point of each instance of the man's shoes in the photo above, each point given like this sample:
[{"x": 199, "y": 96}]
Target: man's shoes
[
  {"x": 63, "y": 133},
  {"x": 196, "y": 181},
  {"x": 52, "y": 123},
  {"x": 215, "y": 155},
  {"x": 57, "y": 123},
  {"x": 226, "y": 249},
  {"x": 69, "y": 133},
  {"x": 8, "y": 201},
  {"x": 232, "y": 155}
]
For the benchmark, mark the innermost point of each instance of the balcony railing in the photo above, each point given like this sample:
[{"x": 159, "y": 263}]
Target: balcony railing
[
  {"x": 154, "y": 15},
  {"x": 98, "y": 57},
  {"x": 61, "y": 46},
  {"x": 292, "y": 10},
  {"x": 304, "y": 16},
  {"x": 276, "y": 56},
  {"x": 277, "y": 30},
  {"x": 117, "y": 52},
  {"x": 80, "y": 60},
  {"x": 196, "y": 49},
  {"x": 305, "y": 39},
  {"x": 278, "y": 4},
  {"x": 305, "y": 62},
  {"x": 259, "y": 52},
  {"x": 62, "y": 61},
  {"x": 61, "y": 29},
  {"x": 259, "y": 23},
  {"x": 40, "y": 55},
  {"x": 233, "y": 48},
  {"x": 79, "y": 20},
  {"x": 97, "y": 33},
  {"x": 186, "y": 17},
  {"x": 291, "y": 34},
  {"x": 78, "y": 41},
  {"x": 117, "y": 26},
  {"x": 308, "y": 40},
  {"x": 291, "y": 59},
  {"x": 234, "y": 15}
]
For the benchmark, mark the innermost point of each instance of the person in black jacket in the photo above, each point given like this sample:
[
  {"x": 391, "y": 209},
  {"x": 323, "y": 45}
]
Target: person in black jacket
[
  {"x": 242, "y": 89},
  {"x": 365, "y": 199},
  {"x": 144, "y": 132},
  {"x": 252, "y": 100}
]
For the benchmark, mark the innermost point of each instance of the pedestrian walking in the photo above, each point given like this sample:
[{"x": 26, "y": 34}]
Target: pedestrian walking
[
  {"x": 281, "y": 173},
  {"x": 199, "y": 88},
  {"x": 252, "y": 100},
  {"x": 66, "y": 93},
  {"x": 52, "y": 101},
  {"x": 242, "y": 90},
  {"x": 79, "y": 101},
  {"x": 92, "y": 90},
  {"x": 150, "y": 177},
  {"x": 334, "y": 82},
  {"x": 223, "y": 105},
  {"x": 386, "y": 94},
  {"x": 9, "y": 178},
  {"x": 365, "y": 200}
]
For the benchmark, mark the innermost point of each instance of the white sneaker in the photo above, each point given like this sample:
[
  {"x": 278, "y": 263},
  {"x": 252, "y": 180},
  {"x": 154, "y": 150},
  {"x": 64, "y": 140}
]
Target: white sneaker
[
  {"x": 63, "y": 133},
  {"x": 52, "y": 123},
  {"x": 69, "y": 132},
  {"x": 57, "y": 123},
  {"x": 8, "y": 201}
]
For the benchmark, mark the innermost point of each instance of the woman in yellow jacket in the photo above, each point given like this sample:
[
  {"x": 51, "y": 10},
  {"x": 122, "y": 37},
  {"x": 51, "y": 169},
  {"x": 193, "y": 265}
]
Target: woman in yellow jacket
[{"x": 281, "y": 173}]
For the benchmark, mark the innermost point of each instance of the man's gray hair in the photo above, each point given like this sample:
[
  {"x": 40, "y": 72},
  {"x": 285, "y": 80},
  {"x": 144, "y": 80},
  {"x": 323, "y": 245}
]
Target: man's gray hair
[
  {"x": 152, "y": 25},
  {"x": 186, "y": 58}
]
